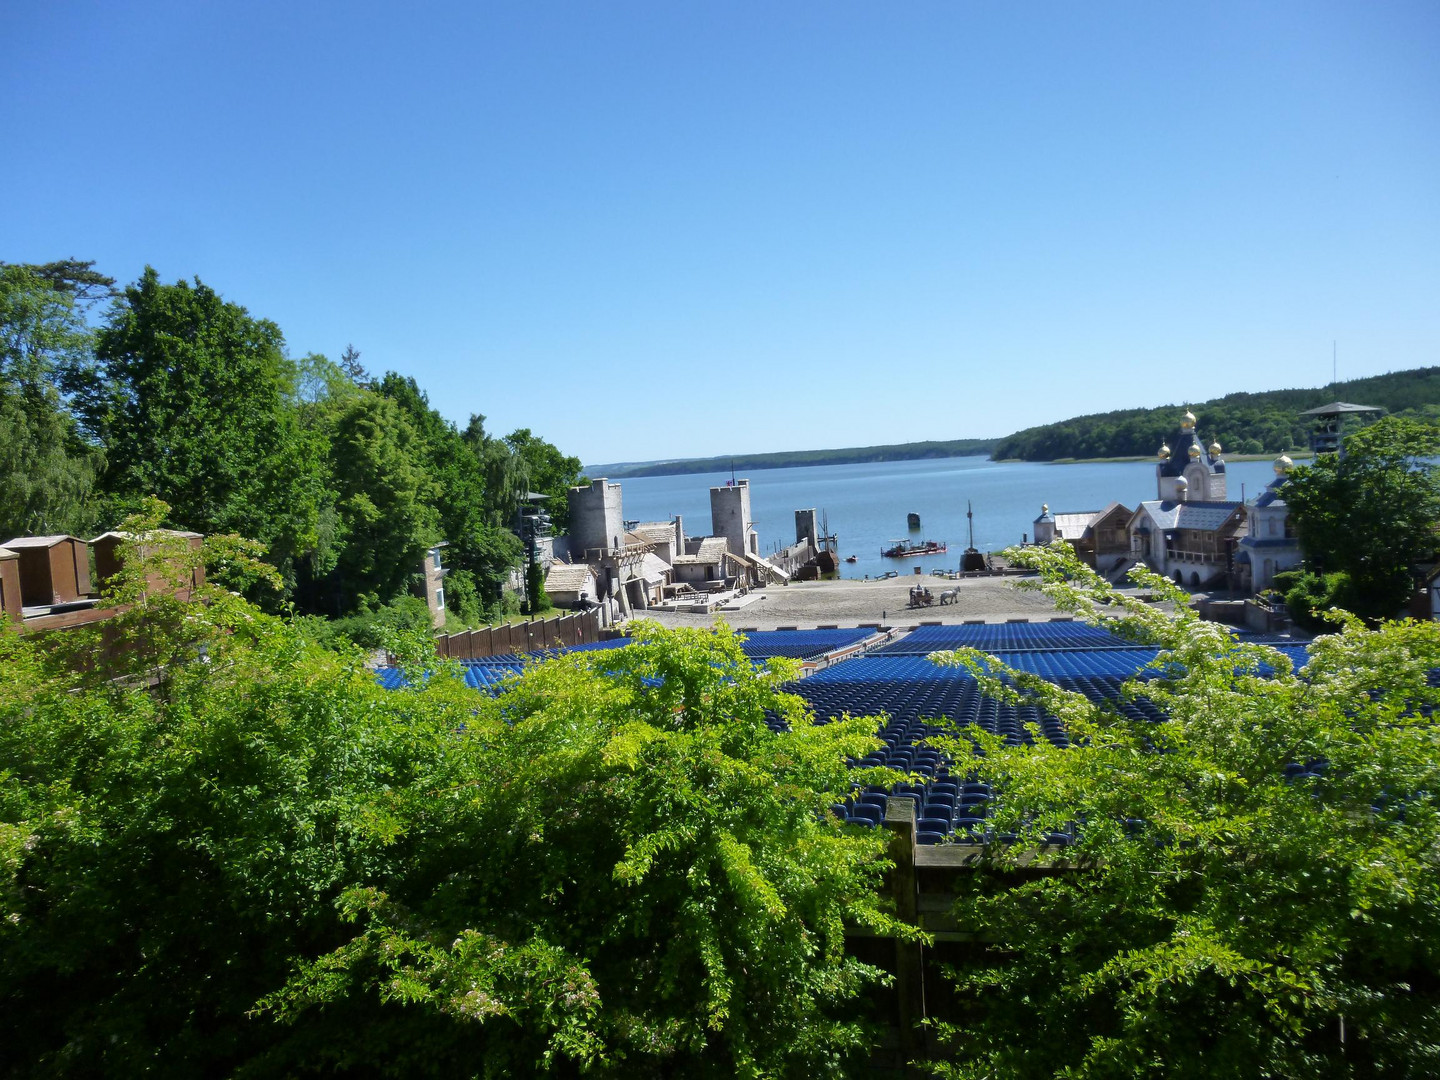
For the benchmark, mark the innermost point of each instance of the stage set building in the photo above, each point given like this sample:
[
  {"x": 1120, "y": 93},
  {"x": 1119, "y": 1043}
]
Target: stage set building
[
  {"x": 630, "y": 569},
  {"x": 1191, "y": 531}
]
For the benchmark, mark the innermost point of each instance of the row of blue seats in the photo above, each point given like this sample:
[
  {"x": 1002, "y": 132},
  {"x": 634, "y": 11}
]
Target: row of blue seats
[
  {"x": 800, "y": 644},
  {"x": 1021, "y": 636},
  {"x": 992, "y": 636}
]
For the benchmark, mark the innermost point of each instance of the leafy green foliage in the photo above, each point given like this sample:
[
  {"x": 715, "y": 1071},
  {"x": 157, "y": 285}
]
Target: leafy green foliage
[
  {"x": 1371, "y": 514},
  {"x": 47, "y": 472},
  {"x": 385, "y": 496},
  {"x": 1309, "y": 596},
  {"x": 1214, "y": 919},
  {"x": 192, "y": 398},
  {"x": 1243, "y": 423},
  {"x": 257, "y": 862},
  {"x": 544, "y": 470}
]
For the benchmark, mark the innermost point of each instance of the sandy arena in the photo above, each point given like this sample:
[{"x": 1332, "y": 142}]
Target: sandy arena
[{"x": 808, "y": 604}]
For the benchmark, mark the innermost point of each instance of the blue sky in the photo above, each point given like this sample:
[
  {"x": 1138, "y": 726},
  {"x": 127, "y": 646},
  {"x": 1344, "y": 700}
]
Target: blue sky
[{"x": 650, "y": 230}]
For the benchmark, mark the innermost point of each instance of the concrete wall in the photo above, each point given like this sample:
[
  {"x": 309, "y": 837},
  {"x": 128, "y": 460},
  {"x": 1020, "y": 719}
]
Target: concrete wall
[
  {"x": 596, "y": 518},
  {"x": 807, "y": 528},
  {"x": 730, "y": 516},
  {"x": 434, "y": 572}
]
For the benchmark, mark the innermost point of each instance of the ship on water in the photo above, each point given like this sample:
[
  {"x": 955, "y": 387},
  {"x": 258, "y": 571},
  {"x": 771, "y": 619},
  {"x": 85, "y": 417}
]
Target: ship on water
[{"x": 904, "y": 549}]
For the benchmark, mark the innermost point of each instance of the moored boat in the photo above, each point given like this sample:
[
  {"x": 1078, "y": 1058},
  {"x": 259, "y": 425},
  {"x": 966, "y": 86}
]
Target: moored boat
[{"x": 901, "y": 549}]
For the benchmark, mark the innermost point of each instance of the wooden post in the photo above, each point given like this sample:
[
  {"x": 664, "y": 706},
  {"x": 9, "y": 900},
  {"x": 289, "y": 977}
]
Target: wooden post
[{"x": 909, "y": 956}]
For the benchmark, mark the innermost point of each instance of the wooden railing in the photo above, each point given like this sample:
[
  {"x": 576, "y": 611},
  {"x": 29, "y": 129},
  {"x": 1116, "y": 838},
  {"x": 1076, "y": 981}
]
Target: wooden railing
[{"x": 527, "y": 637}]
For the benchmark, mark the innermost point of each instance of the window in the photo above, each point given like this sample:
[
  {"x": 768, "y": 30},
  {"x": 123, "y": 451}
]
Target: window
[{"x": 440, "y": 599}]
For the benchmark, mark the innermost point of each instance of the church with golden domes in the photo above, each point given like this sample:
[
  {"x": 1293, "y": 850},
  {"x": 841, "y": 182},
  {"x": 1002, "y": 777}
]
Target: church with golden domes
[{"x": 1189, "y": 532}]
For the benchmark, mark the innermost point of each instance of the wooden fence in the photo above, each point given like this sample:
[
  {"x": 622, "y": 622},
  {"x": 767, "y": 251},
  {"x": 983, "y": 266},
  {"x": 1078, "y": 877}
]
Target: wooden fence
[{"x": 527, "y": 637}]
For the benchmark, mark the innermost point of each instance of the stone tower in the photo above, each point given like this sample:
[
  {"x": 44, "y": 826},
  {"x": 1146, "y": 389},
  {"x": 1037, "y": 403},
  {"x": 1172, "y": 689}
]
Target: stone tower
[
  {"x": 596, "y": 520},
  {"x": 730, "y": 518}
]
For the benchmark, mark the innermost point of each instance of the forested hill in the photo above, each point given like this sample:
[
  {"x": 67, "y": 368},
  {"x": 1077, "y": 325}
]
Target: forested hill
[
  {"x": 794, "y": 458},
  {"x": 1243, "y": 423}
]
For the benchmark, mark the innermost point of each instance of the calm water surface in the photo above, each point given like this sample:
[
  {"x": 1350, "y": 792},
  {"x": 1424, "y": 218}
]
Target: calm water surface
[{"x": 867, "y": 503}]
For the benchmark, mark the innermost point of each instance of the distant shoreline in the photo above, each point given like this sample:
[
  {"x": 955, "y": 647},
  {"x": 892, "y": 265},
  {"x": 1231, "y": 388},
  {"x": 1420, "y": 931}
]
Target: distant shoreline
[
  {"x": 693, "y": 466},
  {"x": 1294, "y": 454}
]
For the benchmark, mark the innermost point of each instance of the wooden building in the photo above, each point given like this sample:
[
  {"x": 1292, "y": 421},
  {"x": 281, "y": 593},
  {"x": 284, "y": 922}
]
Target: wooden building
[
  {"x": 10, "y": 586},
  {"x": 108, "y": 561},
  {"x": 53, "y": 569}
]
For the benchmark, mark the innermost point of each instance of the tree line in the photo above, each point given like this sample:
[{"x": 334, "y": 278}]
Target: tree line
[
  {"x": 1261, "y": 423},
  {"x": 172, "y": 391},
  {"x": 790, "y": 459}
]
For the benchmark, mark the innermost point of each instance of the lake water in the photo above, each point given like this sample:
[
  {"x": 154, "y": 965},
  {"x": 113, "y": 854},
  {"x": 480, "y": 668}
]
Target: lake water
[{"x": 867, "y": 503}]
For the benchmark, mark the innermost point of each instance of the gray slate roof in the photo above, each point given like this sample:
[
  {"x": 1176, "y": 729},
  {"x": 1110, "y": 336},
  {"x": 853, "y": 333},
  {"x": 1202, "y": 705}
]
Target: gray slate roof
[{"x": 1203, "y": 516}]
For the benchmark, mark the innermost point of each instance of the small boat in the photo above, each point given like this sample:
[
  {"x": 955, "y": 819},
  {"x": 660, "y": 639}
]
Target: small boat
[
  {"x": 902, "y": 549},
  {"x": 852, "y": 558}
]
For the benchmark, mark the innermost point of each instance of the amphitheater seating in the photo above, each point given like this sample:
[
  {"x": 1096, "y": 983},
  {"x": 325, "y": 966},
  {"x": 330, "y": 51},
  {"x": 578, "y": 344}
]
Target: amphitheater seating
[
  {"x": 920, "y": 699},
  {"x": 799, "y": 644}
]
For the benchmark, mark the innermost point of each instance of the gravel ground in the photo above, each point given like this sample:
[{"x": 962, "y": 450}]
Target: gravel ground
[{"x": 808, "y": 604}]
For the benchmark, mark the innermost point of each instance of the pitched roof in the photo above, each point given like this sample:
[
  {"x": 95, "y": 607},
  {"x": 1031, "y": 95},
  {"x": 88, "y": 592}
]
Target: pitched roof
[
  {"x": 568, "y": 577},
  {"x": 38, "y": 541},
  {"x": 1202, "y": 516},
  {"x": 653, "y": 568},
  {"x": 1336, "y": 407},
  {"x": 1271, "y": 494},
  {"x": 655, "y": 532},
  {"x": 1072, "y": 524},
  {"x": 6, "y": 553},
  {"x": 119, "y": 535},
  {"x": 708, "y": 549}
]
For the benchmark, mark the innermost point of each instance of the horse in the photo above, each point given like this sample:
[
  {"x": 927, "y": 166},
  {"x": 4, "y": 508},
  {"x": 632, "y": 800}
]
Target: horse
[{"x": 949, "y": 596}]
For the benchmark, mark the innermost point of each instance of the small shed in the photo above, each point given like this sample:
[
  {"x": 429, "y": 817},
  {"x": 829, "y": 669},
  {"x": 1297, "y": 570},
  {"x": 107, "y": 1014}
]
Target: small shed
[
  {"x": 10, "y": 586},
  {"x": 106, "y": 548},
  {"x": 571, "y": 585},
  {"x": 53, "y": 569}
]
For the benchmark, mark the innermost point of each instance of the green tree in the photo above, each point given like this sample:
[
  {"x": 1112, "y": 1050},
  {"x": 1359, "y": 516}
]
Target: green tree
[
  {"x": 47, "y": 472},
  {"x": 1214, "y": 918},
  {"x": 193, "y": 399},
  {"x": 483, "y": 550},
  {"x": 544, "y": 469},
  {"x": 1371, "y": 514},
  {"x": 272, "y": 866},
  {"x": 386, "y": 520}
]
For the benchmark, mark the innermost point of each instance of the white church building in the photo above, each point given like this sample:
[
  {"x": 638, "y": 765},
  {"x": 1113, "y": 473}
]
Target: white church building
[{"x": 1191, "y": 532}]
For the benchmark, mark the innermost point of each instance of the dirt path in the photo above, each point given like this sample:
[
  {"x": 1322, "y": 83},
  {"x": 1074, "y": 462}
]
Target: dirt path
[{"x": 849, "y": 603}]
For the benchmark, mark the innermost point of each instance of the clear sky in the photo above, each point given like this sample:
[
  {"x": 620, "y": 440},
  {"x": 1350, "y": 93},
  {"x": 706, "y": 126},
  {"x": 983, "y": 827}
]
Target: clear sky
[{"x": 651, "y": 230}]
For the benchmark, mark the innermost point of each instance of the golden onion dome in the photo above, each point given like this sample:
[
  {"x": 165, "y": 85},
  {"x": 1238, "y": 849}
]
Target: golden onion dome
[
  {"x": 1215, "y": 448},
  {"x": 1187, "y": 422},
  {"x": 1163, "y": 453},
  {"x": 1194, "y": 450},
  {"x": 1283, "y": 465},
  {"x": 1044, "y": 509}
]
